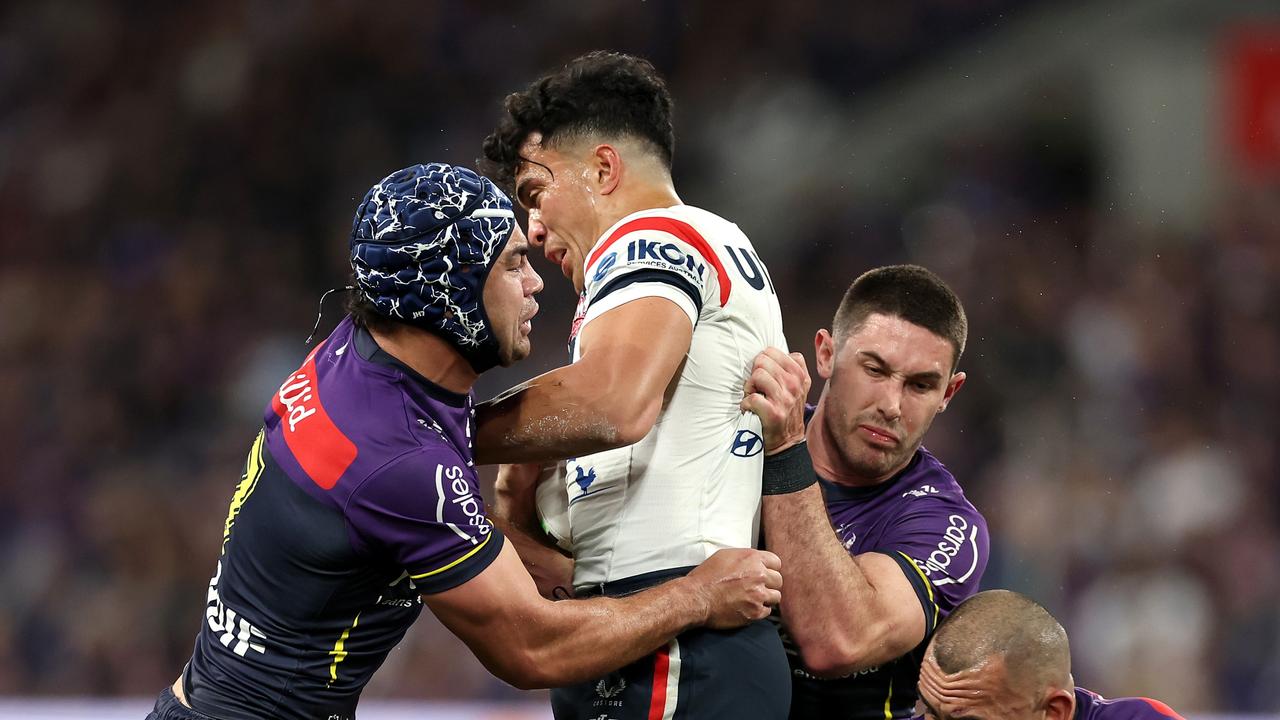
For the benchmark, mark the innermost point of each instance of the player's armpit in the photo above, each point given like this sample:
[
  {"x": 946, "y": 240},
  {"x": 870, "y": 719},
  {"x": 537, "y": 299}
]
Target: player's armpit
[{"x": 610, "y": 398}]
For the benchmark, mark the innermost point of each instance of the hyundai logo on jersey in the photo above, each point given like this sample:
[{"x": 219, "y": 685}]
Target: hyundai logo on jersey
[{"x": 746, "y": 444}]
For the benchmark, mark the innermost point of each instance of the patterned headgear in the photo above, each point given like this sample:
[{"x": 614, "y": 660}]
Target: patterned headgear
[{"x": 422, "y": 244}]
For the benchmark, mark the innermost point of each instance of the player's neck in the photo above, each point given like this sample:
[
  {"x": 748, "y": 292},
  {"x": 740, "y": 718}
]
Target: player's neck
[
  {"x": 827, "y": 459},
  {"x": 638, "y": 198},
  {"x": 430, "y": 355}
]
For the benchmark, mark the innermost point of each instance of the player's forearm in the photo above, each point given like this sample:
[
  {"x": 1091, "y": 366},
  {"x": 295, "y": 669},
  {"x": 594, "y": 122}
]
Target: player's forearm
[
  {"x": 567, "y": 412},
  {"x": 830, "y": 606},
  {"x": 551, "y": 570},
  {"x": 587, "y": 638}
]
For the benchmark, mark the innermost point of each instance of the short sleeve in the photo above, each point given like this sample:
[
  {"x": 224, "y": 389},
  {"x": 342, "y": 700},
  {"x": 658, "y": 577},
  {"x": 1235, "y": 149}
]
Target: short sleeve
[
  {"x": 424, "y": 512},
  {"x": 652, "y": 257},
  {"x": 943, "y": 548}
]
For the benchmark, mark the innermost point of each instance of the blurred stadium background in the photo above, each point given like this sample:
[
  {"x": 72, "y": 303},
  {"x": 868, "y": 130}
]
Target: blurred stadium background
[{"x": 1099, "y": 181}]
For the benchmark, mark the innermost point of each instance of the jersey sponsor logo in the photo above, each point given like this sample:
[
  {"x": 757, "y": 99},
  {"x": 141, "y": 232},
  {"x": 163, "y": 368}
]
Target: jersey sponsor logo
[
  {"x": 321, "y": 449},
  {"x": 802, "y": 673},
  {"x": 461, "y": 498},
  {"x": 228, "y": 626},
  {"x": 959, "y": 535},
  {"x": 922, "y": 491},
  {"x": 667, "y": 256},
  {"x": 677, "y": 228},
  {"x": 746, "y": 444},
  {"x": 603, "y": 268}
]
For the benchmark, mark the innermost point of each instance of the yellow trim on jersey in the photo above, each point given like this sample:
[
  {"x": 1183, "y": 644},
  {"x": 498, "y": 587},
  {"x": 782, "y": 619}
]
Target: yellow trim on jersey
[
  {"x": 339, "y": 651},
  {"x": 473, "y": 551},
  {"x": 928, "y": 586},
  {"x": 888, "y": 714},
  {"x": 248, "y": 483}
]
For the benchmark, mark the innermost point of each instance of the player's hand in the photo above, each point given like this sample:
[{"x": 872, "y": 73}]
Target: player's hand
[
  {"x": 775, "y": 392},
  {"x": 740, "y": 586}
]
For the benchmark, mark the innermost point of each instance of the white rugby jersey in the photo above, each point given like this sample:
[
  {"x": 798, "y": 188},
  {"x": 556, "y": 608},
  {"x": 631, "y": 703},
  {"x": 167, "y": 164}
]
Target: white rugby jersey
[{"x": 692, "y": 485}]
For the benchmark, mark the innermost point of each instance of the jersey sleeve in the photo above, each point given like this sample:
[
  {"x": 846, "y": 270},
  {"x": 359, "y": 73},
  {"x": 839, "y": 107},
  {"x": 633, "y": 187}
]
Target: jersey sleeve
[
  {"x": 943, "y": 548},
  {"x": 652, "y": 257},
  {"x": 424, "y": 512}
]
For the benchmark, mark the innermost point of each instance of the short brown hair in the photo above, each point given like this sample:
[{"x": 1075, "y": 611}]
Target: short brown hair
[{"x": 910, "y": 292}]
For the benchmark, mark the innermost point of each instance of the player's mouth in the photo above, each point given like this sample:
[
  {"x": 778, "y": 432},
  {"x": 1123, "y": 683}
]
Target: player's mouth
[
  {"x": 526, "y": 325},
  {"x": 559, "y": 257},
  {"x": 877, "y": 436}
]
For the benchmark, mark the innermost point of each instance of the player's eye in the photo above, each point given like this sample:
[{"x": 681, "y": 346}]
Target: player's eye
[{"x": 874, "y": 370}]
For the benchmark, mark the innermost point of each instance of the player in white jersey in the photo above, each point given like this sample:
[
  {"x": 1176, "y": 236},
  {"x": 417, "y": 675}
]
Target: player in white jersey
[
  {"x": 691, "y": 486},
  {"x": 663, "y": 466}
]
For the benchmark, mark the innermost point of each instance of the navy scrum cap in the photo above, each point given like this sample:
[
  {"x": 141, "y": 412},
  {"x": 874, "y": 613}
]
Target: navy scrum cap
[{"x": 422, "y": 244}]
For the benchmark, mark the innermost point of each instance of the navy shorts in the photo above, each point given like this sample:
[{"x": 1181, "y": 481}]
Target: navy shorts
[
  {"x": 168, "y": 708},
  {"x": 702, "y": 674}
]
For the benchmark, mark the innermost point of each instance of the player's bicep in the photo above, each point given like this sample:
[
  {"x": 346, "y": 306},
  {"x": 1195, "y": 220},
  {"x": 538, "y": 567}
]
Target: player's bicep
[
  {"x": 638, "y": 346},
  {"x": 904, "y": 604},
  {"x": 487, "y": 611}
]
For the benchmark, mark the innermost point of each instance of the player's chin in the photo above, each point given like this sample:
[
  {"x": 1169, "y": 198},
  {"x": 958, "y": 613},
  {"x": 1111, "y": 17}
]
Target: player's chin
[{"x": 515, "y": 351}]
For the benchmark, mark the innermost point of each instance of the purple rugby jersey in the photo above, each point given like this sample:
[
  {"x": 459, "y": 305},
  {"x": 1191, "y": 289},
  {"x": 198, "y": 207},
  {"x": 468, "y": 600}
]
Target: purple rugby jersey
[
  {"x": 1092, "y": 706},
  {"x": 920, "y": 518},
  {"x": 358, "y": 496}
]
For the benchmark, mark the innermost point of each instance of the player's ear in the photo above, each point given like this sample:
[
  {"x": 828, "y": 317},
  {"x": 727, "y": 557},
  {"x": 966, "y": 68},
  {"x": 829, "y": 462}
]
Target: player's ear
[
  {"x": 1060, "y": 705},
  {"x": 606, "y": 168},
  {"x": 824, "y": 347},
  {"x": 953, "y": 386}
]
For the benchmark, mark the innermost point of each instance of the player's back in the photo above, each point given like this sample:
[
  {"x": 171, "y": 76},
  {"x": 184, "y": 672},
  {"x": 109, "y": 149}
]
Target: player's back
[
  {"x": 356, "y": 498},
  {"x": 692, "y": 485}
]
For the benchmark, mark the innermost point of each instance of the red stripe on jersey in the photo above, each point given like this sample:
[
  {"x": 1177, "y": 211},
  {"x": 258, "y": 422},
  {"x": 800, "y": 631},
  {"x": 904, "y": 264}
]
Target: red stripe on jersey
[
  {"x": 320, "y": 448},
  {"x": 680, "y": 229},
  {"x": 658, "y": 700},
  {"x": 1162, "y": 708}
]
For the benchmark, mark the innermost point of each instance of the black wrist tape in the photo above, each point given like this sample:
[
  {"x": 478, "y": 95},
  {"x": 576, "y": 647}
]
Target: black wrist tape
[{"x": 788, "y": 471}]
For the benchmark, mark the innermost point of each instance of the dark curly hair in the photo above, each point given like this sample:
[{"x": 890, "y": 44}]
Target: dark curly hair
[
  {"x": 600, "y": 93},
  {"x": 910, "y": 292}
]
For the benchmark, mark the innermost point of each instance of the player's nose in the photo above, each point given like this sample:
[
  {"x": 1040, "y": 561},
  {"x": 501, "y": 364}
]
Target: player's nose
[
  {"x": 533, "y": 281},
  {"x": 537, "y": 231},
  {"x": 889, "y": 403}
]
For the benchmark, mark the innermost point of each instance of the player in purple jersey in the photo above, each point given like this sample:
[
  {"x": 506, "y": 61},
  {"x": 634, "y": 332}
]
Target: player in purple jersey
[
  {"x": 359, "y": 502},
  {"x": 1001, "y": 655},
  {"x": 908, "y": 546}
]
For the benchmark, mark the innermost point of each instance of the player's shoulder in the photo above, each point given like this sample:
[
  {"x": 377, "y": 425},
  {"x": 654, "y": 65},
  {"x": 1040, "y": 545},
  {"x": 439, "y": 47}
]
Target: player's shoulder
[
  {"x": 1092, "y": 706},
  {"x": 681, "y": 224},
  {"x": 927, "y": 481},
  {"x": 423, "y": 472}
]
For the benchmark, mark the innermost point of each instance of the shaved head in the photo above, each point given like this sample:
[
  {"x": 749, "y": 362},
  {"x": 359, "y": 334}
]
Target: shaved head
[{"x": 1009, "y": 626}]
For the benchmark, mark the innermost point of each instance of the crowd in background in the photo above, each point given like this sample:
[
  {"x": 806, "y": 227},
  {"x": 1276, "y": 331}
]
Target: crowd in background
[{"x": 177, "y": 182}]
